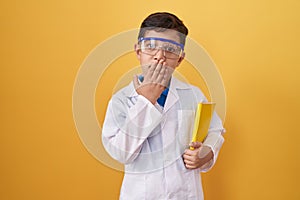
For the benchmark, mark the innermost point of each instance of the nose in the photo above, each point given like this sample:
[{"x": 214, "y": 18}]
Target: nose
[{"x": 160, "y": 54}]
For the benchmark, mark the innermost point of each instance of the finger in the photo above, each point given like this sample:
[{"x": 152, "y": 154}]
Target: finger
[
  {"x": 150, "y": 71},
  {"x": 157, "y": 71},
  {"x": 189, "y": 152},
  {"x": 145, "y": 68},
  {"x": 195, "y": 144},
  {"x": 190, "y": 166},
  {"x": 189, "y": 162},
  {"x": 186, "y": 157},
  {"x": 167, "y": 75},
  {"x": 136, "y": 82},
  {"x": 189, "y": 158},
  {"x": 162, "y": 74}
]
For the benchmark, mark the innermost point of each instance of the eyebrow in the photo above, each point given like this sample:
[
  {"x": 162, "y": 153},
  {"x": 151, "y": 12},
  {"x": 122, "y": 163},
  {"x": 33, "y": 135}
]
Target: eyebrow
[{"x": 161, "y": 39}]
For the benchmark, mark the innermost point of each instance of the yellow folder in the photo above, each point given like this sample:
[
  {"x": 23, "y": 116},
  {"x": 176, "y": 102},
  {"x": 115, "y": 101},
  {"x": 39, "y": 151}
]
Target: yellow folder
[{"x": 203, "y": 117}]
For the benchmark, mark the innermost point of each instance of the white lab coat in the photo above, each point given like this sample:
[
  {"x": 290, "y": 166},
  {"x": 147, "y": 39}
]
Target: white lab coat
[{"x": 150, "y": 141}]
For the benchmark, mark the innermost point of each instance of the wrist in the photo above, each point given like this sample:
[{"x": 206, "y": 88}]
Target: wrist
[{"x": 205, "y": 154}]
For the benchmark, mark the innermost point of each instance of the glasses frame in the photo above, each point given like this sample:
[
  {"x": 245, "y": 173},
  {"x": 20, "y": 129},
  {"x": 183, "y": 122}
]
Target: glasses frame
[{"x": 163, "y": 40}]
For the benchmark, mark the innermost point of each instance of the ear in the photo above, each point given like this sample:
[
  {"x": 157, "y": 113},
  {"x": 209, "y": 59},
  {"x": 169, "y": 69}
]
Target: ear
[
  {"x": 137, "y": 51},
  {"x": 180, "y": 59}
]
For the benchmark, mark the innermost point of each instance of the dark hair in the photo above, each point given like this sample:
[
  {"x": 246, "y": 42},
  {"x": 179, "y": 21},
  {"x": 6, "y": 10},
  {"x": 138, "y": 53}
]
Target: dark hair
[{"x": 161, "y": 21}]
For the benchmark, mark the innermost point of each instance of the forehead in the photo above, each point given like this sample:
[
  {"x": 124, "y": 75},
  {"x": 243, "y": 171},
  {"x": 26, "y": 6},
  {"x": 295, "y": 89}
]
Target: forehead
[{"x": 168, "y": 34}]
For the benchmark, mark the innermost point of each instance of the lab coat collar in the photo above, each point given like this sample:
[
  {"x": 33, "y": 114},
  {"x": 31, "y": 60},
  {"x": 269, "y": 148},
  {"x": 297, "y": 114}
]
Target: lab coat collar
[
  {"x": 177, "y": 84},
  {"x": 130, "y": 91}
]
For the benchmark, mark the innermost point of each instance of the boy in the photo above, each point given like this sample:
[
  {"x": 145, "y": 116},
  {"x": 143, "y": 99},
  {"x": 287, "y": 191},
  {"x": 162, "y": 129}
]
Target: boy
[{"x": 148, "y": 124}]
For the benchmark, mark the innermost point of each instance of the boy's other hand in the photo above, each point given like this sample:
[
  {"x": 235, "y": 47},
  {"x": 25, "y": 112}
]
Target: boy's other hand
[{"x": 194, "y": 159}]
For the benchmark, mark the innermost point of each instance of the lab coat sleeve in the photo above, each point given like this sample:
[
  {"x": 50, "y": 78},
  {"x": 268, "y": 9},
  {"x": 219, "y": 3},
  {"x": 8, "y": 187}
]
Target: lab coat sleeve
[
  {"x": 213, "y": 141},
  {"x": 127, "y": 126}
]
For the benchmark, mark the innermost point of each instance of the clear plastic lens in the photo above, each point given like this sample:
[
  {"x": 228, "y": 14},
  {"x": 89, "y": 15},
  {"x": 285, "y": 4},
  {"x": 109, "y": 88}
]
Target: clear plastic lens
[{"x": 151, "y": 47}]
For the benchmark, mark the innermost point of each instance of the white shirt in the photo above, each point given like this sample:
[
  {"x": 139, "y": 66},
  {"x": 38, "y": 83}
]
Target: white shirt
[{"x": 150, "y": 141}]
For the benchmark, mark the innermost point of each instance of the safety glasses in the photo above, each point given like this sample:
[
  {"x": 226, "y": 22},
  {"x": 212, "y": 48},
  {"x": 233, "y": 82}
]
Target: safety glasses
[{"x": 170, "y": 48}]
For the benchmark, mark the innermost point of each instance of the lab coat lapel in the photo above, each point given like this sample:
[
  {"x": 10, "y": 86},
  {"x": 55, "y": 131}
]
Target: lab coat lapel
[{"x": 171, "y": 99}]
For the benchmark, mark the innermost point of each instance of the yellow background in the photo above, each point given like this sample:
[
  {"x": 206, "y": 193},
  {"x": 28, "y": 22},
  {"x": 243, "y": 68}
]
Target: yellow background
[{"x": 255, "y": 45}]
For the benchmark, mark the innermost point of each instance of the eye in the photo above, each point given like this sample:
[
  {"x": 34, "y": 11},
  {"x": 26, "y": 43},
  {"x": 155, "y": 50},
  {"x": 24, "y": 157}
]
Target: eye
[
  {"x": 149, "y": 45},
  {"x": 170, "y": 49}
]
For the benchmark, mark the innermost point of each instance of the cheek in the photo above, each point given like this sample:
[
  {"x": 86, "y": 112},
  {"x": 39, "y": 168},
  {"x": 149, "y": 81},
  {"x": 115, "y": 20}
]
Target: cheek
[
  {"x": 144, "y": 61},
  {"x": 172, "y": 64}
]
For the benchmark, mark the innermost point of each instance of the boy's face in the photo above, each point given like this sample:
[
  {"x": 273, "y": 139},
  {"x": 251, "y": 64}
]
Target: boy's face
[{"x": 146, "y": 59}]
